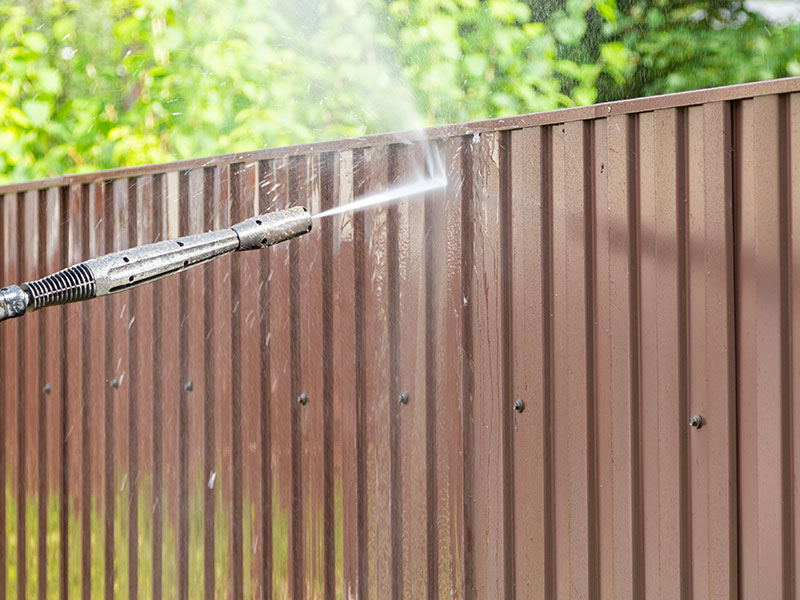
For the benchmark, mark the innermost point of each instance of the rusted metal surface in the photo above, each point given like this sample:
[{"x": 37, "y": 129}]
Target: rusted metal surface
[{"x": 481, "y": 392}]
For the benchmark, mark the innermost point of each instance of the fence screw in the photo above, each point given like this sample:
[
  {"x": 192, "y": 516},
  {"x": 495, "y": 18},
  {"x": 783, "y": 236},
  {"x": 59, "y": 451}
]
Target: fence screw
[
  {"x": 696, "y": 421},
  {"x": 303, "y": 399},
  {"x": 47, "y": 388},
  {"x": 115, "y": 382},
  {"x": 189, "y": 386},
  {"x": 608, "y": 109},
  {"x": 519, "y": 405},
  {"x": 404, "y": 398}
]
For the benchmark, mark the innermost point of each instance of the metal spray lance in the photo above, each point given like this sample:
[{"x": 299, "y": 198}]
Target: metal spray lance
[{"x": 120, "y": 271}]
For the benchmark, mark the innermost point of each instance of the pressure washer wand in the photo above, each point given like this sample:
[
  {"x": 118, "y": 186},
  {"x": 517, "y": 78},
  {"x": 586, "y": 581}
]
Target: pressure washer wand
[{"x": 120, "y": 271}]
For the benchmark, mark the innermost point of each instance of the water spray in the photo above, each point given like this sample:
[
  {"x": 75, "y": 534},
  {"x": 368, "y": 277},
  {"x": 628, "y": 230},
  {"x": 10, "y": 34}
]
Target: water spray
[
  {"x": 121, "y": 271},
  {"x": 390, "y": 195}
]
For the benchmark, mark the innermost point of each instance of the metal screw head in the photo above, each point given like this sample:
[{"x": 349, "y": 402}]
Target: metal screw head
[
  {"x": 696, "y": 422},
  {"x": 303, "y": 399},
  {"x": 47, "y": 388},
  {"x": 404, "y": 398},
  {"x": 115, "y": 382},
  {"x": 608, "y": 109},
  {"x": 189, "y": 386},
  {"x": 519, "y": 405}
]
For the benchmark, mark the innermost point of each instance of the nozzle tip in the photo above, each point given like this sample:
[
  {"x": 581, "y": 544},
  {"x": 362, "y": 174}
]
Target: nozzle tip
[{"x": 272, "y": 228}]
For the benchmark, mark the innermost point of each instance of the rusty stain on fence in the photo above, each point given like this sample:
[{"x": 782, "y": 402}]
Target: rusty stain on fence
[{"x": 611, "y": 273}]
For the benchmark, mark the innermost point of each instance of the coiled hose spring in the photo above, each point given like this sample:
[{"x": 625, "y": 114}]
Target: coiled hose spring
[{"x": 68, "y": 285}]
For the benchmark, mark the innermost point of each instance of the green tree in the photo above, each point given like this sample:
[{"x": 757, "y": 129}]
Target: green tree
[
  {"x": 470, "y": 60},
  {"x": 690, "y": 45}
]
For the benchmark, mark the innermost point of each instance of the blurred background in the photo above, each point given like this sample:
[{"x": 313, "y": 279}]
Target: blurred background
[{"x": 87, "y": 85}]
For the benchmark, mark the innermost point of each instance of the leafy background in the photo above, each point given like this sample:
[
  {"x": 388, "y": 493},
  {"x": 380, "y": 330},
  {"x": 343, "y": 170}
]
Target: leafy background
[{"x": 86, "y": 85}]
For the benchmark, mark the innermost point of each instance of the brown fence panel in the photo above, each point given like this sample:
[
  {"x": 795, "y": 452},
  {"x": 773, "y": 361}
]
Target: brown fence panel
[
  {"x": 712, "y": 391},
  {"x": 446, "y": 221},
  {"x": 480, "y": 391},
  {"x": 765, "y": 133}
]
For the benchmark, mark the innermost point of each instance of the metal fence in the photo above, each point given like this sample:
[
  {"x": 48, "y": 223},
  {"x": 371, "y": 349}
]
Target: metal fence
[{"x": 497, "y": 379}]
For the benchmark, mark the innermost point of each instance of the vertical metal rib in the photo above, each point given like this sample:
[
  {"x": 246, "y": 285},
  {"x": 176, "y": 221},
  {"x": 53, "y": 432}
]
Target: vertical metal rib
[
  {"x": 327, "y": 162},
  {"x": 108, "y": 495},
  {"x": 42, "y": 412},
  {"x": 236, "y": 200},
  {"x": 183, "y": 395},
  {"x": 133, "y": 408},
  {"x": 23, "y": 329},
  {"x": 157, "y": 407},
  {"x": 467, "y": 376},
  {"x": 786, "y": 342},
  {"x": 547, "y": 357},
  {"x": 432, "y": 266},
  {"x": 86, "y": 457},
  {"x": 395, "y": 425},
  {"x": 4, "y": 429},
  {"x": 265, "y": 171},
  {"x": 507, "y": 367},
  {"x": 297, "y": 528},
  {"x": 634, "y": 294},
  {"x": 681, "y": 217},
  {"x": 63, "y": 504},
  {"x": 210, "y": 397},
  {"x": 590, "y": 301},
  {"x": 359, "y": 249}
]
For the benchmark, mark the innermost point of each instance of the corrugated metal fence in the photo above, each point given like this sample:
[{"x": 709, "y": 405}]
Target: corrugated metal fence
[{"x": 499, "y": 376}]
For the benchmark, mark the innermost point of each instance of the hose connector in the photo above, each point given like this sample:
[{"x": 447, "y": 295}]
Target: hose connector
[{"x": 13, "y": 302}]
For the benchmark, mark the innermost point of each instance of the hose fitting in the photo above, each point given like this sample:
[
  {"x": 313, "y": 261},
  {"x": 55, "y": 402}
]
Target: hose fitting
[{"x": 13, "y": 302}]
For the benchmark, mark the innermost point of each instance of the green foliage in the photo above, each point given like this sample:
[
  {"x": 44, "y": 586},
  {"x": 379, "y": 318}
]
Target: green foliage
[
  {"x": 88, "y": 85},
  {"x": 469, "y": 60},
  {"x": 691, "y": 45}
]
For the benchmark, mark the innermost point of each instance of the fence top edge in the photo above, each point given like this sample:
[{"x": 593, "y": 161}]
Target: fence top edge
[{"x": 553, "y": 117}]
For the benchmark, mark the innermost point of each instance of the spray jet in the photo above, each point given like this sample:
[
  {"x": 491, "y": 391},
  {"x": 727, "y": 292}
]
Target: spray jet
[{"x": 120, "y": 271}]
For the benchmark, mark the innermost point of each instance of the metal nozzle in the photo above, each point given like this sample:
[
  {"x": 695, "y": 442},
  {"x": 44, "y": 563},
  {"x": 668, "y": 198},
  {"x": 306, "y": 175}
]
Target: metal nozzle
[
  {"x": 127, "y": 269},
  {"x": 272, "y": 228}
]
